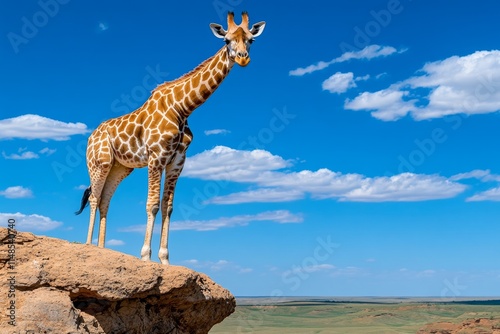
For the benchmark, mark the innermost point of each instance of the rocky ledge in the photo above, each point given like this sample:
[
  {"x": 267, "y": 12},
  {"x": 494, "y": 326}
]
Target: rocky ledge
[
  {"x": 54, "y": 286},
  {"x": 469, "y": 326}
]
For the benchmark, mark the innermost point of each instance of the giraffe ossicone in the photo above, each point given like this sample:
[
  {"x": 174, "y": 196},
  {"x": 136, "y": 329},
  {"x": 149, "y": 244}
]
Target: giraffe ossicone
[{"x": 157, "y": 135}]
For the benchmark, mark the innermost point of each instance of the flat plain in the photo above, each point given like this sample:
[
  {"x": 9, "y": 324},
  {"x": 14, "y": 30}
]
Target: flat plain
[{"x": 353, "y": 315}]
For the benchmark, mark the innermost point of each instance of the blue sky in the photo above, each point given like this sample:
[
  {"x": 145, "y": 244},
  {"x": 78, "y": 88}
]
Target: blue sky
[{"x": 355, "y": 156}]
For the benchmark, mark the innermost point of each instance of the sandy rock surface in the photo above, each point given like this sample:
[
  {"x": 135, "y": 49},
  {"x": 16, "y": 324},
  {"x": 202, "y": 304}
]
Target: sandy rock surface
[{"x": 61, "y": 287}]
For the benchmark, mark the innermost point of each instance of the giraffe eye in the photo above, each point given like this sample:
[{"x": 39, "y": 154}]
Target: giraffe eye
[
  {"x": 227, "y": 41},
  {"x": 251, "y": 40}
]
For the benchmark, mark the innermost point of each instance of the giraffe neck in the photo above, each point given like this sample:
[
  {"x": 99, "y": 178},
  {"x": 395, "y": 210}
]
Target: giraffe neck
[{"x": 194, "y": 88}]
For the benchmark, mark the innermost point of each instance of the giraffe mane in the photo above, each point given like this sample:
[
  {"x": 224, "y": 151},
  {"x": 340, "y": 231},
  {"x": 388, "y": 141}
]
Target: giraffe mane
[{"x": 182, "y": 77}]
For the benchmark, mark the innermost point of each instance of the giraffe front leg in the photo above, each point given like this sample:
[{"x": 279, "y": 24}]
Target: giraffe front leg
[
  {"x": 172, "y": 173},
  {"x": 166, "y": 212},
  {"x": 152, "y": 207}
]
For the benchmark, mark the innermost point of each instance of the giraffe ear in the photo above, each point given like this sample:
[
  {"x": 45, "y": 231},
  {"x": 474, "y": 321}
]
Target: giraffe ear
[
  {"x": 218, "y": 31},
  {"x": 257, "y": 28}
]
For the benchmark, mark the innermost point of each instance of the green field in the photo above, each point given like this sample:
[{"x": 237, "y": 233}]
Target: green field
[{"x": 388, "y": 316}]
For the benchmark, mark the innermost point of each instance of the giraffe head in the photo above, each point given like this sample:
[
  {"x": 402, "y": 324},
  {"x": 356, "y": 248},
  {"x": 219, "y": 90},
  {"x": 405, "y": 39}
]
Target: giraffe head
[{"x": 238, "y": 38}]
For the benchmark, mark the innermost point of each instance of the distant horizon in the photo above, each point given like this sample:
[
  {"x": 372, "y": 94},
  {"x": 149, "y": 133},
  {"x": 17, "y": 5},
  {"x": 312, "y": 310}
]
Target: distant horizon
[
  {"x": 381, "y": 297},
  {"x": 249, "y": 300}
]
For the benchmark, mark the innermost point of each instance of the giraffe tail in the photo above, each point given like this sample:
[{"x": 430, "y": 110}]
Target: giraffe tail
[{"x": 85, "y": 200}]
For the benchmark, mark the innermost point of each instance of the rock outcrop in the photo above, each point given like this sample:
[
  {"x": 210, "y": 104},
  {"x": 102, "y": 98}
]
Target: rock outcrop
[
  {"x": 469, "y": 326},
  {"x": 54, "y": 286}
]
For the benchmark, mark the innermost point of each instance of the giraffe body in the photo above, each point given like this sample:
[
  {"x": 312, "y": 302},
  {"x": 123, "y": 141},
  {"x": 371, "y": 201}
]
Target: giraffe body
[{"x": 157, "y": 135}]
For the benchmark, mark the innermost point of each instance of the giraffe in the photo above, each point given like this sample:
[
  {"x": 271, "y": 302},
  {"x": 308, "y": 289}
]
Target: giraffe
[{"x": 157, "y": 135}]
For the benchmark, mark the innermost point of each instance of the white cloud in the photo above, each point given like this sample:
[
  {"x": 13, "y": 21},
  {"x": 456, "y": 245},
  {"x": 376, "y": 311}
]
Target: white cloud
[
  {"x": 265, "y": 195},
  {"x": 311, "y": 68},
  {"x": 279, "y": 216},
  {"x": 219, "y": 265},
  {"x": 16, "y": 192},
  {"x": 319, "y": 267},
  {"x": 23, "y": 154},
  {"x": 350, "y": 272},
  {"x": 456, "y": 85},
  {"x": 369, "y": 52},
  {"x": 363, "y": 78},
  {"x": 115, "y": 242},
  {"x": 387, "y": 105},
  {"x": 322, "y": 267},
  {"x": 217, "y": 132},
  {"x": 487, "y": 195},
  {"x": 492, "y": 194},
  {"x": 339, "y": 82},
  {"x": 322, "y": 183},
  {"x": 38, "y": 127},
  {"x": 29, "y": 223},
  {"x": 81, "y": 187},
  {"x": 278, "y": 185},
  {"x": 468, "y": 84},
  {"x": 47, "y": 151},
  {"x": 406, "y": 187},
  {"x": 103, "y": 26},
  {"x": 140, "y": 228},
  {"x": 224, "y": 163},
  {"x": 482, "y": 175},
  {"x": 26, "y": 155}
]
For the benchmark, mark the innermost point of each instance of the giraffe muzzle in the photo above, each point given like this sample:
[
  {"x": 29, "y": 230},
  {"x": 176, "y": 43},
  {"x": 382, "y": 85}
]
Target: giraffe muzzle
[{"x": 242, "y": 61}]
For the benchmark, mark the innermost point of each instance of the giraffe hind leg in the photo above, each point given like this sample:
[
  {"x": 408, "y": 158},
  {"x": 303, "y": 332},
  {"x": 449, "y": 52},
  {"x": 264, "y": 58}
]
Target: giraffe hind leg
[
  {"x": 94, "y": 199},
  {"x": 116, "y": 175},
  {"x": 97, "y": 181},
  {"x": 100, "y": 159}
]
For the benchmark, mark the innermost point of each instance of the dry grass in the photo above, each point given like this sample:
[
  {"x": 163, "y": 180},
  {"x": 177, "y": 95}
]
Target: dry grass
[{"x": 348, "y": 318}]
